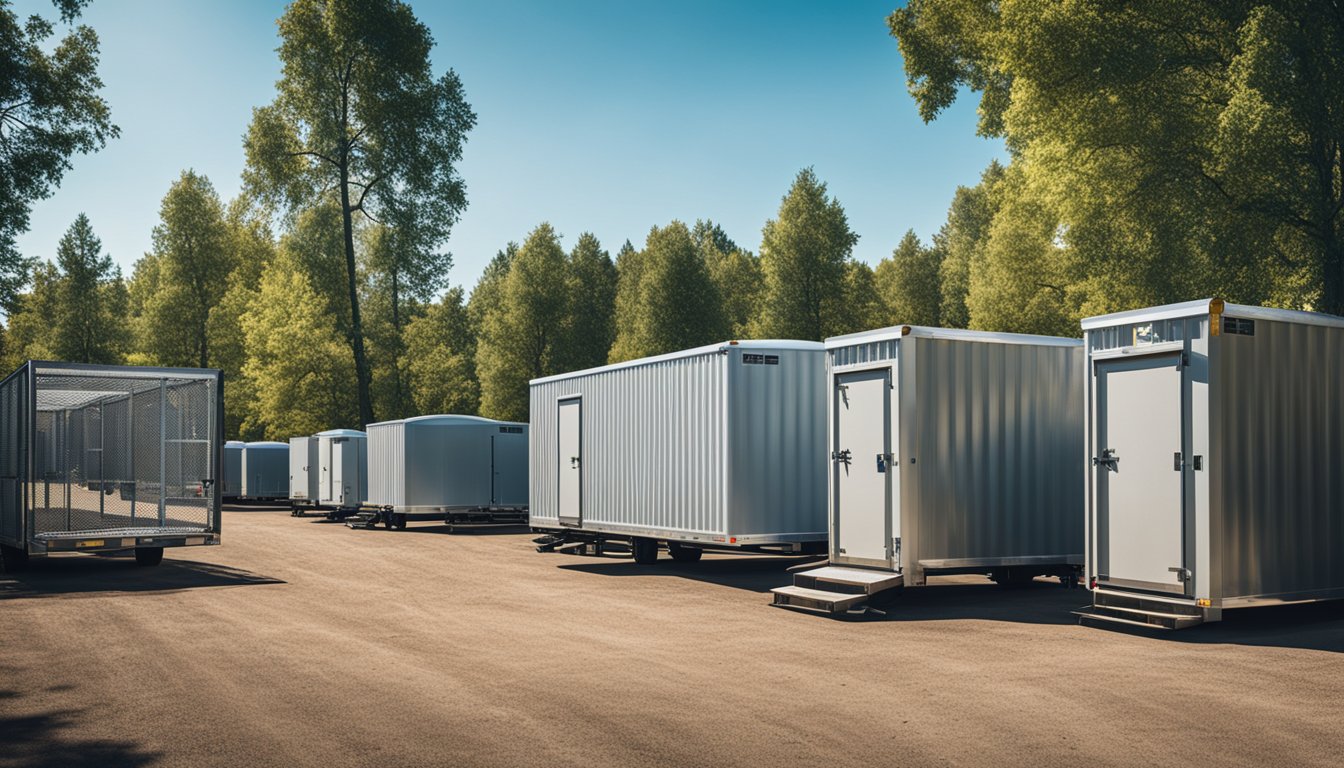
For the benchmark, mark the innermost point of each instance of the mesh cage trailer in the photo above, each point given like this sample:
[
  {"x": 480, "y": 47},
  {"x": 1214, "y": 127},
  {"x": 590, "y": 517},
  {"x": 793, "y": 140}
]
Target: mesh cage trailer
[
  {"x": 1215, "y": 453},
  {"x": 97, "y": 458},
  {"x": 719, "y": 447},
  {"x": 950, "y": 452}
]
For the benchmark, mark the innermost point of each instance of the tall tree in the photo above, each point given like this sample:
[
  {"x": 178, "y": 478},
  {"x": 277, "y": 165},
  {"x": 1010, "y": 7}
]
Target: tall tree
[
  {"x": 90, "y": 323},
  {"x": 678, "y": 304},
  {"x": 804, "y": 251},
  {"x": 591, "y": 285},
  {"x": 863, "y": 305},
  {"x": 909, "y": 284},
  {"x": 736, "y": 273},
  {"x": 30, "y": 335},
  {"x": 521, "y": 336},
  {"x": 250, "y": 242},
  {"x": 441, "y": 355},
  {"x": 192, "y": 261},
  {"x": 961, "y": 240},
  {"x": 50, "y": 110},
  {"x": 629, "y": 273},
  {"x": 359, "y": 111},
  {"x": 490, "y": 286}
]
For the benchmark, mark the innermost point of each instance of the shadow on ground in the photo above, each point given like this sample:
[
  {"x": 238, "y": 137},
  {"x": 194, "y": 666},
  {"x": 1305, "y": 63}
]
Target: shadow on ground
[
  {"x": 90, "y": 575},
  {"x": 52, "y": 739},
  {"x": 457, "y": 529},
  {"x": 1309, "y": 626},
  {"x": 751, "y": 573},
  {"x": 246, "y": 506}
]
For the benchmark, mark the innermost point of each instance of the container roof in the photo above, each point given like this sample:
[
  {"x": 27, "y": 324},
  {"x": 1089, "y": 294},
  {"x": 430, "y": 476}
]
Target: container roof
[
  {"x": 340, "y": 433},
  {"x": 1203, "y": 307},
  {"x": 266, "y": 444},
  {"x": 449, "y": 419},
  {"x": 234, "y": 444},
  {"x": 708, "y": 349},
  {"x": 927, "y": 332}
]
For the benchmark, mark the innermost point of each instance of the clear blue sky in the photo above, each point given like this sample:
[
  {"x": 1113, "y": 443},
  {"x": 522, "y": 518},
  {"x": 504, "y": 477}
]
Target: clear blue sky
[{"x": 608, "y": 117}]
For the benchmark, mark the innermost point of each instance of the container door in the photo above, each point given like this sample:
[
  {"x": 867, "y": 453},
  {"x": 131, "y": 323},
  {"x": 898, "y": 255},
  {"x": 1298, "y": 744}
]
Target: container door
[
  {"x": 569, "y": 461},
  {"x": 509, "y": 451},
  {"x": 325, "y": 490},
  {"x": 861, "y": 462},
  {"x": 1139, "y": 473},
  {"x": 339, "y": 453}
]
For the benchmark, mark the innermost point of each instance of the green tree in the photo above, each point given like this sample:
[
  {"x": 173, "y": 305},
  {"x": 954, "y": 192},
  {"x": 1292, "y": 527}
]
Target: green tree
[
  {"x": 678, "y": 304},
  {"x": 29, "y": 335},
  {"x": 804, "y": 252},
  {"x": 863, "y": 305},
  {"x": 50, "y": 110},
  {"x": 441, "y": 354},
  {"x": 253, "y": 248},
  {"x": 591, "y": 322},
  {"x": 961, "y": 240},
  {"x": 191, "y": 264},
  {"x": 359, "y": 111},
  {"x": 736, "y": 273},
  {"x": 629, "y": 273},
  {"x": 909, "y": 284},
  {"x": 490, "y": 287},
  {"x": 522, "y": 336},
  {"x": 90, "y": 321}
]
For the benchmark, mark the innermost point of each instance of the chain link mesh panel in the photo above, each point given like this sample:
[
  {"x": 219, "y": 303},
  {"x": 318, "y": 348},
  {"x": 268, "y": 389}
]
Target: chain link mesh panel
[{"x": 13, "y": 456}]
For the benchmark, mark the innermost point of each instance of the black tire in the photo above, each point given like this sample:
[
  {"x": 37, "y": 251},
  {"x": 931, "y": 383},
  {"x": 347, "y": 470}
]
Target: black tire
[
  {"x": 644, "y": 550},
  {"x": 400, "y": 522},
  {"x": 148, "y": 556},
  {"x": 12, "y": 559},
  {"x": 684, "y": 554}
]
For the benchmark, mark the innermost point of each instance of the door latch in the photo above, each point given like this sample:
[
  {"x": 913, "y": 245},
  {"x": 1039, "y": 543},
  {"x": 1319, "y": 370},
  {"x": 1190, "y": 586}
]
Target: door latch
[
  {"x": 1176, "y": 462},
  {"x": 1182, "y": 574},
  {"x": 882, "y": 461},
  {"x": 573, "y": 461},
  {"x": 1108, "y": 459},
  {"x": 842, "y": 456}
]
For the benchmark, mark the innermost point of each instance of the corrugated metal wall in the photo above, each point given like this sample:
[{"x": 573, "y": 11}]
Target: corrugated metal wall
[
  {"x": 387, "y": 444},
  {"x": 997, "y": 434},
  {"x": 1277, "y": 459}
]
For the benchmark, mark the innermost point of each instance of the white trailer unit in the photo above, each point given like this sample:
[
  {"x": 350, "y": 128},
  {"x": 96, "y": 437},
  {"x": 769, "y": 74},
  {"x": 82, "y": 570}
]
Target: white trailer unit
[
  {"x": 265, "y": 467},
  {"x": 721, "y": 446},
  {"x": 1215, "y": 435},
  {"x": 951, "y": 452},
  {"x": 451, "y": 468},
  {"x": 232, "y": 486},
  {"x": 342, "y": 468},
  {"x": 303, "y": 489}
]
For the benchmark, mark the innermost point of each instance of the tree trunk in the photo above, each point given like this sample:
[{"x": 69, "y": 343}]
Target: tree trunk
[
  {"x": 205, "y": 344},
  {"x": 397, "y": 393},
  {"x": 362, "y": 376}
]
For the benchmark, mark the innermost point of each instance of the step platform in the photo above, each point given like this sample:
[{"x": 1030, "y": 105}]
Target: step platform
[
  {"x": 1140, "y": 610},
  {"x": 835, "y": 589}
]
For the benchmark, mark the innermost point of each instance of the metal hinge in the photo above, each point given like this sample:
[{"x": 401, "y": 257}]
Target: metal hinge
[{"x": 1182, "y": 574}]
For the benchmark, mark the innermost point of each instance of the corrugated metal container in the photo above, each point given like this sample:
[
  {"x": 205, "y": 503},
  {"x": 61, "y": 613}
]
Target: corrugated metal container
[
  {"x": 435, "y": 464},
  {"x": 955, "y": 451},
  {"x": 265, "y": 468},
  {"x": 1216, "y": 439},
  {"x": 342, "y": 468},
  {"x": 302, "y": 470},
  {"x": 233, "y": 469},
  {"x": 720, "y": 445}
]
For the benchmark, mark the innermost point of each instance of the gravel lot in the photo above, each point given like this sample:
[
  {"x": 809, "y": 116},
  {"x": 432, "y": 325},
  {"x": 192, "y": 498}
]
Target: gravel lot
[{"x": 301, "y": 642}]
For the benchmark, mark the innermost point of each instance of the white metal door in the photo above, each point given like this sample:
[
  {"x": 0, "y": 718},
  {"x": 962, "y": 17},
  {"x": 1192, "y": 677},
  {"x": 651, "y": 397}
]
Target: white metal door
[
  {"x": 339, "y": 455},
  {"x": 569, "y": 461},
  {"x": 324, "y": 488},
  {"x": 861, "y": 462},
  {"x": 1140, "y": 468}
]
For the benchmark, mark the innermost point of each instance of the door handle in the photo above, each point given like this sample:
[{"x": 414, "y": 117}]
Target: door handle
[
  {"x": 573, "y": 461},
  {"x": 1108, "y": 459},
  {"x": 1176, "y": 463},
  {"x": 842, "y": 456}
]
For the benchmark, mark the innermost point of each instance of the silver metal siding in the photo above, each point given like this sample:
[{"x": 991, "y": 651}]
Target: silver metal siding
[
  {"x": 387, "y": 448},
  {"x": 1276, "y": 459},
  {"x": 991, "y": 446}
]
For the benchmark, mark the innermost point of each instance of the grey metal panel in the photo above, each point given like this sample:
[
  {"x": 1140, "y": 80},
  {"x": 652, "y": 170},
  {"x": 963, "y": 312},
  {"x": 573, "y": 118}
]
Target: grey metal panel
[
  {"x": 353, "y": 473},
  {"x": 435, "y": 462},
  {"x": 1276, "y": 458},
  {"x": 697, "y": 445},
  {"x": 233, "y": 469},
  {"x": 302, "y": 483},
  {"x": 990, "y": 450},
  {"x": 265, "y": 470},
  {"x": 1204, "y": 307}
]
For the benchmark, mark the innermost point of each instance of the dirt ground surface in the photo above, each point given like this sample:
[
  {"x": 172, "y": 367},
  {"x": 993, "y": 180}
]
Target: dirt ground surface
[{"x": 302, "y": 642}]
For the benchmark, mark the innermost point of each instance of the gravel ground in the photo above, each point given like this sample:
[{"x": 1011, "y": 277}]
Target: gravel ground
[{"x": 301, "y": 642}]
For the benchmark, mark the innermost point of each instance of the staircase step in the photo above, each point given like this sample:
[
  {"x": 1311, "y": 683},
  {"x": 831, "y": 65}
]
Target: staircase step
[
  {"x": 852, "y": 580},
  {"x": 816, "y": 599},
  {"x": 1137, "y": 618}
]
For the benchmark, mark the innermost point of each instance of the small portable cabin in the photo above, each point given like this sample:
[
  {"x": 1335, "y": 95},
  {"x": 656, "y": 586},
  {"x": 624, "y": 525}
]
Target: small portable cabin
[
  {"x": 265, "y": 468},
  {"x": 303, "y": 488},
  {"x": 1215, "y": 435},
  {"x": 342, "y": 468},
  {"x": 950, "y": 452},
  {"x": 99, "y": 458},
  {"x": 232, "y": 486},
  {"x": 721, "y": 446}
]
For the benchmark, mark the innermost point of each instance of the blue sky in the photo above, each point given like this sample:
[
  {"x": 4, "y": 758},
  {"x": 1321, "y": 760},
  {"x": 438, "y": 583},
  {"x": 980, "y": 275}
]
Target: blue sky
[{"x": 608, "y": 117}]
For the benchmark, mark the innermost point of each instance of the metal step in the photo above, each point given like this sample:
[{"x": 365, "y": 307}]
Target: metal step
[
  {"x": 816, "y": 599},
  {"x": 858, "y": 581},
  {"x": 1140, "y": 617}
]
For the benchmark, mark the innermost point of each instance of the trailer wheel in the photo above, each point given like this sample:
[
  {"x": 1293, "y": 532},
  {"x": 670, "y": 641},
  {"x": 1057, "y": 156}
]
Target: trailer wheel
[
  {"x": 1013, "y": 577},
  {"x": 12, "y": 559},
  {"x": 399, "y": 521},
  {"x": 644, "y": 550},
  {"x": 684, "y": 554},
  {"x": 148, "y": 556}
]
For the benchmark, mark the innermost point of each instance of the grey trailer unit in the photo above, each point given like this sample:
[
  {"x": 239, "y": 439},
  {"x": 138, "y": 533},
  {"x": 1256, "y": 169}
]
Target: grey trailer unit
[
  {"x": 1215, "y": 444},
  {"x": 449, "y": 468},
  {"x": 950, "y": 452},
  {"x": 721, "y": 446},
  {"x": 266, "y": 471},
  {"x": 232, "y": 486},
  {"x": 100, "y": 458},
  {"x": 342, "y": 469},
  {"x": 302, "y": 474}
]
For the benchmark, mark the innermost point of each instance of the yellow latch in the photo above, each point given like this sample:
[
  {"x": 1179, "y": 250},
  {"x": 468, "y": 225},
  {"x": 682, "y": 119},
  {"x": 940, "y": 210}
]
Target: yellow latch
[{"x": 1215, "y": 317}]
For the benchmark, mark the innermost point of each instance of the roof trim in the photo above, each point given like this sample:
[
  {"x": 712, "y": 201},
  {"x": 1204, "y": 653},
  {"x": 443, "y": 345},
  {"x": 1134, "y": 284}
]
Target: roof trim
[
  {"x": 1202, "y": 306},
  {"x": 460, "y": 419},
  {"x": 898, "y": 332},
  {"x": 708, "y": 349}
]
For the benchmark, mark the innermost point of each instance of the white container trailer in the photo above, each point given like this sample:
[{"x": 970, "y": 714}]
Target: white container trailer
[
  {"x": 446, "y": 467},
  {"x": 265, "y": 467},
  {"x": 342, "y": 468},
  {"x": 721, "y": 446},
  {"x": 950, "y": 452},
  {"x": 1215, "y": 435},
  {"x": 303, "y": 491},
  {"x": 232, "y": 486}
]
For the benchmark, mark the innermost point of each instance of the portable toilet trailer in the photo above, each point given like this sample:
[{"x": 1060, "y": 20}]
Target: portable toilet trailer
[
  {"x": 232, "y": 484},
  {"x": 265, "y": 468},
  {"x": 719, "y": 447},
  {"x": 303, "y": 490},
  {"x": 342, "y": 468},
  {"x": 451, "y": 468},
  {"x": 949, "y": 452},
  {"x": 1215, "y": 435}
]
